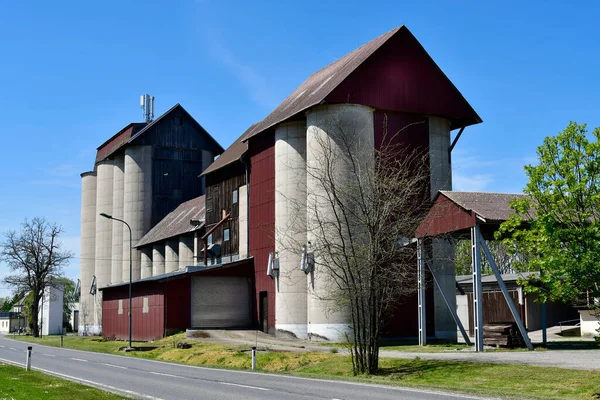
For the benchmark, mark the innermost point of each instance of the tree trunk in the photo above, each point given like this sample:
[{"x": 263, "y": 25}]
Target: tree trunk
[{"x": 35, "y": 315}]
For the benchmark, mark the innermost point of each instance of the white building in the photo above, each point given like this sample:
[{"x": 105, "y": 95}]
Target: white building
[{"x": 50, "y": 315}]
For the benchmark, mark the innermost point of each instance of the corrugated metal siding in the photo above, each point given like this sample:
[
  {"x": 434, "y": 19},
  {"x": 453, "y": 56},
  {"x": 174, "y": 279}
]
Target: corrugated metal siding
[
  {"x": 177, "y": 314},
  {"x": 262, "y": 215},
  {"x": 221, "y": 302},
  {"x": 401, "y": 76},
  {"x": 145, "y": 326}
]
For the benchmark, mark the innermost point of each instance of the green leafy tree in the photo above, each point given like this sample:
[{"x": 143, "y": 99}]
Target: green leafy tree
[
  {"x": 5, "y": 303},
  {"x": 557, "y": 227}
]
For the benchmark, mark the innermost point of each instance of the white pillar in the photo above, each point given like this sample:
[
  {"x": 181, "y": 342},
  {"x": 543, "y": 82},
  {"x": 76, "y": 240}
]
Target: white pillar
[{"x": 290, "y": 228}]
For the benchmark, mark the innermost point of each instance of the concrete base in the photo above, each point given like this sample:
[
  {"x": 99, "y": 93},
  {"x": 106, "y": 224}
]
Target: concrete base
[
  {"x": 299, "y": 330},
  {"x": 588, "y": 323},
  {"x": 332, "y": 332},
  {"x": 90, "y": 330}
]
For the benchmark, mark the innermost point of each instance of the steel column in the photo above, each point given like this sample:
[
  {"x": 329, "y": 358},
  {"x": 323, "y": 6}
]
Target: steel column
[
  {"x": 511, "y": 305},
  {"x": 452, "y": 310},
  {"x": 477, "y": 293},
  {"x": 421, "y": 285}
]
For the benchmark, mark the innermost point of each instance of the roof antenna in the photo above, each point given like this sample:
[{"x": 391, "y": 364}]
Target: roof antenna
[{"x": 147, "y": 104}]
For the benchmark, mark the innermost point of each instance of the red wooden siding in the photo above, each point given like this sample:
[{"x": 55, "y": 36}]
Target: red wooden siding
[
  {"x": 177, "y": 314},
  {"x": 262, "y": 215},
  {"x": 444, "y": 217}
]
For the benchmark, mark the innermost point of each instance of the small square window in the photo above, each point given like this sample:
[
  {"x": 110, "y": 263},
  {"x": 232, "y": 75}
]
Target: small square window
[
  {"x": 235, "y": 196},
  {"x": 209, "y": 240},
  {"x": 226, "y": 234}
]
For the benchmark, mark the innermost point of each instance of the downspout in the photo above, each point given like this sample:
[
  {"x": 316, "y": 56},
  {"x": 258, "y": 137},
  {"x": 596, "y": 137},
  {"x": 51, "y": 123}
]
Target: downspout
[{"x": 242, "y": 159}]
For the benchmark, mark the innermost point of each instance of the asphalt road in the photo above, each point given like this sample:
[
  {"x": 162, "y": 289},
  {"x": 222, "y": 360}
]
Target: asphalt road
[{"x": 147, "y": 379}]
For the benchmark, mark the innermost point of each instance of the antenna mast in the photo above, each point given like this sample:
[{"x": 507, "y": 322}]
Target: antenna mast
[{"x": 147, "y": 104}]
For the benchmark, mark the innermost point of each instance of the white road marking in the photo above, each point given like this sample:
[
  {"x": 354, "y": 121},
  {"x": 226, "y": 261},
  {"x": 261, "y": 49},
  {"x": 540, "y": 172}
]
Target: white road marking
[
  {"x": 115, "y": 366},
  {"x": 163, "y": 374},
  {"x": 244, "y": 386},
  {"x": 1, "y": 346},
  {"x": 78, "y": 359},
  {"x": 49, "y": 355},
  {"x": 12, "y": 348}
]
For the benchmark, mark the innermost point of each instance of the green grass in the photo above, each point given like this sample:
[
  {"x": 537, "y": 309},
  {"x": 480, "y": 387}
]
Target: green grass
[
  {"x": 507, "y": 381},
  {"x": 16, "y": 383}
]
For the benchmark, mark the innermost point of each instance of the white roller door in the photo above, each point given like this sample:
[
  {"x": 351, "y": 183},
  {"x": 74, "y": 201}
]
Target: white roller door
[{"x": 220, "y": 302}]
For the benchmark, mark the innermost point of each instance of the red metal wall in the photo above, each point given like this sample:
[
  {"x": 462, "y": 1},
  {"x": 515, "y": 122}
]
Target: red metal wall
[
  {"x": 262, "y": 215},
  {"x": 178, "y": 294},
  {"x": 401, "y": 76},
  {"x": 145, "y": 326}
]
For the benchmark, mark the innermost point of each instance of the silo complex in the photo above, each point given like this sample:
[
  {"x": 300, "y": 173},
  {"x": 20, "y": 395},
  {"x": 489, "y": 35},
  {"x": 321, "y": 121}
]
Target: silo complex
[
  {"x": 290, "y": 227},
  {"x": 186, "y": 251},
  {"x": 87, "y": 252}
]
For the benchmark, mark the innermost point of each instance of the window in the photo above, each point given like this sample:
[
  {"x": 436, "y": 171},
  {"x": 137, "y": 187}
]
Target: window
[
  {"x": 120, "y": 307},
  {"x": 226, "y": 234},
  {"x": 209, "y": 240},
  {"x": 145, "y": 308},
  {"x": 235, "y": 196}
]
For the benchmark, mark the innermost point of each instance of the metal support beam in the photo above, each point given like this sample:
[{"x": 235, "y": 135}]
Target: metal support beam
[
  {"x": 477, "y": 292},
  {"x": 421, "y": 286},
  {"x": 511, "y": 305},
  {"x": 456, "y": 139},
  {"x": 452, "y": 310}
]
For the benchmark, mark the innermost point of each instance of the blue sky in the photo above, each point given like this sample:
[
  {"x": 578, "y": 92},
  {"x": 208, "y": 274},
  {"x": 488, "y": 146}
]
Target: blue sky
[{"x": 71, "y": 73}]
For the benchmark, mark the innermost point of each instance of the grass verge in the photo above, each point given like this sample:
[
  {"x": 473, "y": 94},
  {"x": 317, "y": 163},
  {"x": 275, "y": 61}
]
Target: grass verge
[
  {"x": 16, "y": 383},
  {"x": 507, "y": 381}
]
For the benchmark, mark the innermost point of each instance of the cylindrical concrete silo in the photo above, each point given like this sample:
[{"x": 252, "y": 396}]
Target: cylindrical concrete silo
[
  {"x": 333, "y": 132},
  {"x": 158, "y": 259},
  {"x": 186, "y": 251},
  {"x": 290, "y": 227},
  {"x": 104, "y": 202},
  {"x": 145, "y": 262},
  {"x": 137, "y": 201},
  {"x": 171, "y": 255},
  {"x": 117, "y": 226},
  {"x": 442, "y": 257},
  {"x": 87, "y": 251}
]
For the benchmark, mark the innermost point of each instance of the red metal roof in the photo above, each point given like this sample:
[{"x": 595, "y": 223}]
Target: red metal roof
[
  {"x": 118, "y": 140},
  {"x": 231, "y": 155},
  {"x": 321, "y": 84}
]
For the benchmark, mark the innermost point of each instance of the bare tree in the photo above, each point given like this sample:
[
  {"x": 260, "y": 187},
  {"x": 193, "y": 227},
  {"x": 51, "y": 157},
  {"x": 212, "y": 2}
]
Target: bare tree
[
  {"x": 35, "y": 258},
  {"x": 362, "y": 207}
]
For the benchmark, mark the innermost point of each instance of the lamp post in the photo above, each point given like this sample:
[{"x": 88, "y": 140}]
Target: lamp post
[{"x": 130, "y": 266}]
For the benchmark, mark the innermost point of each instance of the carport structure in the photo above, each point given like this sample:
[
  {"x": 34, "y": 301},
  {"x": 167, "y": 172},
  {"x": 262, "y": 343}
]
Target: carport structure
[{"x": 461, "y": 215}]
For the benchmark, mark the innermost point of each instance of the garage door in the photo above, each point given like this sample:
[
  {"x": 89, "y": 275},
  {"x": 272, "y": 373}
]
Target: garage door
[{"x": 220, "y": 302}]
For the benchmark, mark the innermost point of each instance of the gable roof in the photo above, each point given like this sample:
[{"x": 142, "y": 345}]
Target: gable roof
[
  {"x": 231, "y": 155},
  {"x": 489, "y": 206},
  {"x": 319, "y": 85},
  {"x": 177, "y": 222},
  {"x": 135, "y": 129}
]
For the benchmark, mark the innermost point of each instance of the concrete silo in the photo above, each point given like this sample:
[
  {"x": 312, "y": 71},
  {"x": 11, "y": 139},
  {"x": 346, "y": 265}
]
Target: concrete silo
[
  {"x": 137, "y": 202},
  {"x": 186, "y": 251},
  {"x": 158, "y": 259},
  {"x": 442, "y": 257},
  {"x": 145, "y": 262},
  {"x": 117, "y": 226},
  {"x": 333, "y": 133},
  {"x": 87, "y": 253},
  {"x": 290, "y": 227},
  {"x": 104, "y": 240},
  {"x": 171, "y": 255}
]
